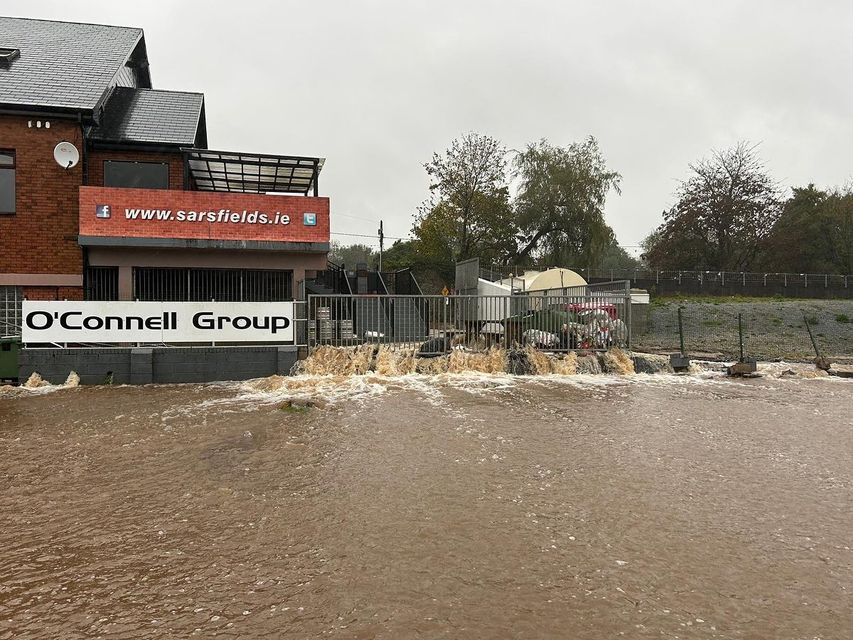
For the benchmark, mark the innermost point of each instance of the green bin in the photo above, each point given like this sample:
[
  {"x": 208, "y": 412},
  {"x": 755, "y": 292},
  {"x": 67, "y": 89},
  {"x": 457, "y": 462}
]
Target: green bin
[{"x": 9, "y": 349}]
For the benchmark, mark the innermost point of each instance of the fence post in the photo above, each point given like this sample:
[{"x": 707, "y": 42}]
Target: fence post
[
  {"x": 657, "y": 277},
  {"x": 679, "y": 278},
  {"x": 723, "y": 278},
  {"x": 743, "y": 275},
  {"x": 786, "y": 279},
  {"x": 806, "y": 280},
  {"x": 740, "y": 333},
  {"x": 765, "y": 279},
  {"x": 826, "y": 281}
]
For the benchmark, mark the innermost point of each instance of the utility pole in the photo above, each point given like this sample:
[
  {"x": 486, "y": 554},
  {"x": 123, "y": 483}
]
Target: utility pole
[{"x": 381, "y": 244}]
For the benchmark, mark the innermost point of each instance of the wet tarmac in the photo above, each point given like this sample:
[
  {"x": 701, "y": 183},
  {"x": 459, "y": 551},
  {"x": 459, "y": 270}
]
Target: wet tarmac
[{"x": 454, "y": 506}]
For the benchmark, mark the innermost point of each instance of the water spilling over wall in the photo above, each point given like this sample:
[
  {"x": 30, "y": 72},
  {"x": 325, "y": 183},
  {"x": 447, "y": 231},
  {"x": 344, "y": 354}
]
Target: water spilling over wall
[
  {"x": 35, "y": 381},
  {"x": 36, "y": 384},
  {"x": 617, "y": 361},
  {"x": 388, "y": 361}
]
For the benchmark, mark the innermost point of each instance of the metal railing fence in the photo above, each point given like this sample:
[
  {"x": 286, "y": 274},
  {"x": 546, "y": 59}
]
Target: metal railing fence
[
  {"x": 196, "y": 284},
  {"x": 591, "y": 290},
  {"x": 684, "y": 276},
  {"x": 100, "y": 283},
  {"x": 434, "y": 324},
  {"x": 10, "y": 311},
  {"x": 730, "y": 279}
]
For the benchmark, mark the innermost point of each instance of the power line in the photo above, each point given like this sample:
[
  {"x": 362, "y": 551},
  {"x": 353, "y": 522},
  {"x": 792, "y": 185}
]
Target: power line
[
  {"x": 367, "y": 235},
  {"x": 346, "y": 215},
  {"x": 363, "y": 235}
]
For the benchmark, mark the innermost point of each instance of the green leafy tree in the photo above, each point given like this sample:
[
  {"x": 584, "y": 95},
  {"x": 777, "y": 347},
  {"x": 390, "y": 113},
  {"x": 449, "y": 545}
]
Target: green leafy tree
[
  {"x": 676, "y": 245},
  {"x": 616, "y": 258},
  {"x": 560, "y": 203},
  {"x": 431, "y": 272},
  {"x": 436, "y": 232},
  {"x": 814, "y": 233},
  {"x": 469, "y": 213},
  {"x": 725, "y": 211},
  {"x": 401, "y": 255},
  {"x": 351, "y": 255},
  {"x": 839, "y": 230},
  {"x": 647, "y": 245}
]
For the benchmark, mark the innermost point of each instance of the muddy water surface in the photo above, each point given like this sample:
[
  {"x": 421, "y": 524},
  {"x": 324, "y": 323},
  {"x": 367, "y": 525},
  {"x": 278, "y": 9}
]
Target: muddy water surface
[{"x": 448, "y": 506}]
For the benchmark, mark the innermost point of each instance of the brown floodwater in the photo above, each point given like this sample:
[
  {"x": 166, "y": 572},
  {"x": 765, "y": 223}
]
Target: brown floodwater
[{"x": 450, "y": 506}]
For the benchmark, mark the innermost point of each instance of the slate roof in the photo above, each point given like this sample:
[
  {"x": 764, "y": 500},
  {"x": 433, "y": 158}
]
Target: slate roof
[
  {"x": 63, "y": 65},
  {"x": 154, "y": 117}
]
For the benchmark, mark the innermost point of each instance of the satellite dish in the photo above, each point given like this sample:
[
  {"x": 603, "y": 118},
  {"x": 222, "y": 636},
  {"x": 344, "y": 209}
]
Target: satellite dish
[{"x": 66, "y": 155}]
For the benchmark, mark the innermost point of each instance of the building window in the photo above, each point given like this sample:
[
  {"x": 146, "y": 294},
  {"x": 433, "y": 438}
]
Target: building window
[
  {"x": 7, "y": 181},
  {"x": 100, "y": 283},
  {"x": 136, "y": 175},
  {"x": 178, "y": 284}
]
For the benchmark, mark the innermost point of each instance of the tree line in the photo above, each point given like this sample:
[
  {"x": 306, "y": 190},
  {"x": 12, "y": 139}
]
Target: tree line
[
  {"x": 545, "y": 204},
  {"x": 731, "y": 215}
]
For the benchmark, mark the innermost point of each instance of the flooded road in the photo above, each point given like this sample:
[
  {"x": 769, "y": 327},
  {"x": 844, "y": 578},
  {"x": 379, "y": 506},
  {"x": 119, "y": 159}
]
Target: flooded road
[{"x": 467, "y": 506}]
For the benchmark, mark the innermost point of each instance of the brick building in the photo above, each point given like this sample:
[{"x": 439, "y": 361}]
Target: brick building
[{"x": 108, "y": 190}]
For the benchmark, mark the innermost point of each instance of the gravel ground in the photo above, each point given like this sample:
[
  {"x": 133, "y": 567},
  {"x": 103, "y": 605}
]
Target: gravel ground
[{"x": 773, "y": 329}]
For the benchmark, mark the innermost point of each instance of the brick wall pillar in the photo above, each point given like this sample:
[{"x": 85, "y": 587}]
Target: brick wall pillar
[{"x": 125, "y": 283}]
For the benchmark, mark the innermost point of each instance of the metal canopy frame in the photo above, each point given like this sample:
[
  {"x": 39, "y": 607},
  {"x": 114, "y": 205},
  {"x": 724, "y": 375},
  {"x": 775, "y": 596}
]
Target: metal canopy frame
[{"x": 207, "y": 170}]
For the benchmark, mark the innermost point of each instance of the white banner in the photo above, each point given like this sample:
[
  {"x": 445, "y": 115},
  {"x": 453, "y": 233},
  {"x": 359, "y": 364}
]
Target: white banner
[{"x": 76, "y": 322}]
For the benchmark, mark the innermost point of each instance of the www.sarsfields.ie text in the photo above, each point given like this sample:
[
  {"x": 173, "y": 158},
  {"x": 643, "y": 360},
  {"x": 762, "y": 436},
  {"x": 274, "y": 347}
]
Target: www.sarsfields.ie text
[{"x": 223, "y": 215}]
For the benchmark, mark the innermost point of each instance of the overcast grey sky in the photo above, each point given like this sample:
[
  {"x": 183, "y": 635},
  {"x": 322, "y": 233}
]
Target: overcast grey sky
[{"x": 376, "y": 87}]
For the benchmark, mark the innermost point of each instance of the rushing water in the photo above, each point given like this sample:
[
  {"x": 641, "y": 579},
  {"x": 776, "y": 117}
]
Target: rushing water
[{"x": 452, "y": 505}]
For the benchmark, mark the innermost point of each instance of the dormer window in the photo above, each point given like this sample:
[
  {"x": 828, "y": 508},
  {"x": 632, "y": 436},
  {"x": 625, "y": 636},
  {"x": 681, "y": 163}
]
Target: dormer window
[{"x": 7, "y": 55}]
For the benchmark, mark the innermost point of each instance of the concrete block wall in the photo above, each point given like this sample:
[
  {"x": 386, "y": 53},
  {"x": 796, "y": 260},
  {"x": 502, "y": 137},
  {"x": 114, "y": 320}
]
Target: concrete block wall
[
  {"x": 159, "y": 365},
  {"x": 94, "y": 366}
]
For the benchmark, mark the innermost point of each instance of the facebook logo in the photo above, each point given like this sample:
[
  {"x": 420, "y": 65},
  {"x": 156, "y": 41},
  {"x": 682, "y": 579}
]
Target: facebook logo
[
  {"x": 309, "y": 219},
  {"x": 102, "y": 211}
]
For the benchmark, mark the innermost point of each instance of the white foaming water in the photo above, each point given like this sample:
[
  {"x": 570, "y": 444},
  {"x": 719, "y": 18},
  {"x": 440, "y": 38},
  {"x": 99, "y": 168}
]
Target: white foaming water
[
  {"x": 36, "y": 385},
  {"x": 362, "y": 385},
  {"x": 359, "y": 388},
  {"x": 327, "y": 389},
  {"x": 363, "y": 388}
]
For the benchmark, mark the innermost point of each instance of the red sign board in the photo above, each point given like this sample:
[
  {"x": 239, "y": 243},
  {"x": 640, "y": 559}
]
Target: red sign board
[{"x": 155, "y": 213}]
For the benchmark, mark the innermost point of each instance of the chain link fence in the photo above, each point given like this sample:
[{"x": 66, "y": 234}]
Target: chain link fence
[{"x": 772, "y": 330}]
